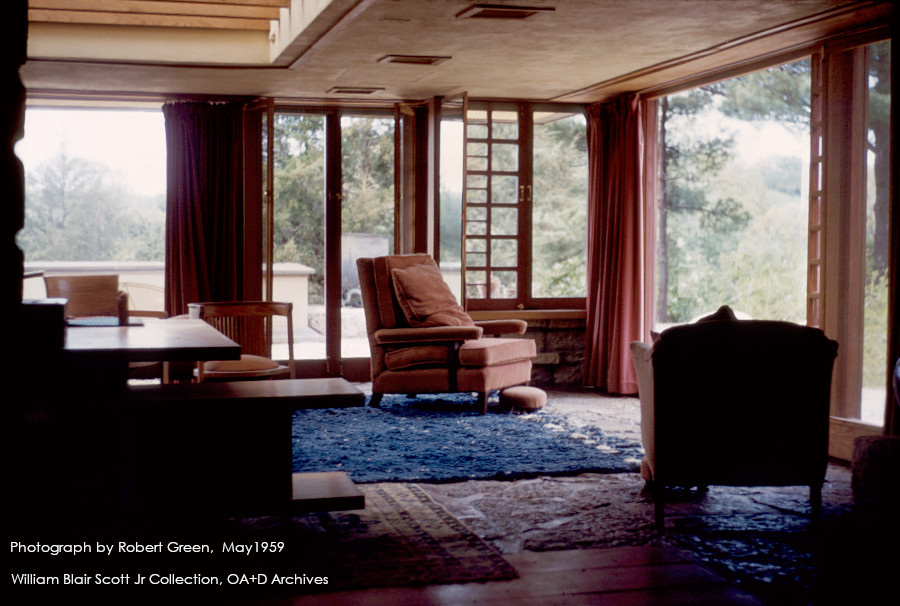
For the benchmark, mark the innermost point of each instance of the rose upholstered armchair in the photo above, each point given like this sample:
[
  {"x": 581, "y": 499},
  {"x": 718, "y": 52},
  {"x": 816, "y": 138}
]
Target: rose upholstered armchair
[
  {"x": 422, "y": 341},
  {"x": 735, "y": 403}
]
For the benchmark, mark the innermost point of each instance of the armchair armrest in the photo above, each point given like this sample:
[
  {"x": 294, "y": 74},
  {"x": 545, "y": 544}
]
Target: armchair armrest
[
  {"x": 642, "y": 356},
  {"x": 503, "y": 327},
  {"x": 431, "y": 334}
]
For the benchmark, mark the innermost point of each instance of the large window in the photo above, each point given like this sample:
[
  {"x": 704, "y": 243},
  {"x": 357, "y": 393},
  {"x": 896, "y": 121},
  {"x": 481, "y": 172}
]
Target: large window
[
  {"x": 523, "y": 191},
  {"x": 95, "y": 197},
  {"x": 738, "y": 224},
  {"x": 733, "y": 204}
]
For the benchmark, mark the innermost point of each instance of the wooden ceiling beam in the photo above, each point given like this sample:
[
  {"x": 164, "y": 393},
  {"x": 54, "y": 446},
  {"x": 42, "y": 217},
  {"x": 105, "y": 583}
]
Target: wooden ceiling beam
[
  {"x": 160, "y": 7},
  {"x": 275, "y": 3},
  {"x": 146, "y": 20}
]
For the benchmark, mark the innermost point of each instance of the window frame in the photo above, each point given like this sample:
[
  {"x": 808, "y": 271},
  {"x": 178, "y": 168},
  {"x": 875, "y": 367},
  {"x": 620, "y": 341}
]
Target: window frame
[
  {"x": 524, "y": 299},
  {"x": 827, "y": 302}
]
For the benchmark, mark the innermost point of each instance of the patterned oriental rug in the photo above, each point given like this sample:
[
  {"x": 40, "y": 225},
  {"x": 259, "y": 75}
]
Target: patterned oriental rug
[{"x": 402, "y": 538}]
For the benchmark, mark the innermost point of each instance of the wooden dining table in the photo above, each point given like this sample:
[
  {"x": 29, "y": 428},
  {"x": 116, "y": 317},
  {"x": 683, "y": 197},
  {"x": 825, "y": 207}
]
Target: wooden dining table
[
  {"x": 89, "y": 438},
  {"x": 150, "y": 340}
]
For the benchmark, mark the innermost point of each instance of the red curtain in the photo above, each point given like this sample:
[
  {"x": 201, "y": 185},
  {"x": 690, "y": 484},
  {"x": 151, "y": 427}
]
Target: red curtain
[
  {"x": 615, "y": 243},
  {"x": 204, "y": 206}
]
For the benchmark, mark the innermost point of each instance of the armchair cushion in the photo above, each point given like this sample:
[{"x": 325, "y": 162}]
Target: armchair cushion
[
  {"x": 398, "y": 336},
  {"x": 493, "y": 352},
  {"x": 425, "y": 298},
  {"x": 247, "y": 363},
  {"x": 412, "y": 357}
]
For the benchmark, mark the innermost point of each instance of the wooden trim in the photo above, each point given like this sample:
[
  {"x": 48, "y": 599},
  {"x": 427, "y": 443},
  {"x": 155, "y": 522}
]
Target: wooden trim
[
  {"x": 815, "y": 255},
  {"x": 651, "y": 192},
  {"x": 398, "y": 174},
  {"x": 428, "y": 182},
  {"x": 143, "y": 20},
  {"x": 278, "y": 3},
  {"x": 740, "y": 55},
  {"x": 127, "y": 8},
  {"x": 404, "y": 228},
  {"x": 526, "y": 206},
  {"x": 333, "y": 210},
  {"x": 529, "y": 314},
  {"x": 842, "y": 434},
  {"x": 845, "y": 208}
]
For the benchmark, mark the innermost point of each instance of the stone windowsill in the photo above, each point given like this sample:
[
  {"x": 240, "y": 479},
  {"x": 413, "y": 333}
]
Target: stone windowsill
[{"x": 529, "y": 314}]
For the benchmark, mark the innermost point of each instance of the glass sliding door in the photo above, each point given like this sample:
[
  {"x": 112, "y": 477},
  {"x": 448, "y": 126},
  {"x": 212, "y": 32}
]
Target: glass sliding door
[
  {"x": 367, "y": 214},
  {"x": 299, "y": 227},
  {"x": 333, "y": 203}
]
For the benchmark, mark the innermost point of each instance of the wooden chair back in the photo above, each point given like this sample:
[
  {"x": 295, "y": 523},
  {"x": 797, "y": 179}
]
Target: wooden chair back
[
  {"x": 88, "y": 295},
  {"x": 248, "y": 323}
]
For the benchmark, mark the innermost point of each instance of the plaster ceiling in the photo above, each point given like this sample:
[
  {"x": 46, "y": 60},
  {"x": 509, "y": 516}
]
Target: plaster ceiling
[{"x": 577, "y": 50}]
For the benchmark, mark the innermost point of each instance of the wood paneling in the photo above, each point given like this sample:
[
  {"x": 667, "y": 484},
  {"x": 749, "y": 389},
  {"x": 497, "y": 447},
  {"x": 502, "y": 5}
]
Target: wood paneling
[{"x": 209, "y": 14}]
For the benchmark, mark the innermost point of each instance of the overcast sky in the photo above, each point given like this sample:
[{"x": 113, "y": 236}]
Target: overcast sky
[{"x": 131, "y": 143}]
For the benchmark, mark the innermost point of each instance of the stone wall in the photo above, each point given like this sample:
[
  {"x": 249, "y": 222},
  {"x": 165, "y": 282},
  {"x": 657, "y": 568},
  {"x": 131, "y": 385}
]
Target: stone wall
[{"x": 560, "y": 351}]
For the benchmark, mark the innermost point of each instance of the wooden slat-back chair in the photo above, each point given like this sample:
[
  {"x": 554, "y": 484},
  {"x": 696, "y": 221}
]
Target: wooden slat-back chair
[
  {"x": 88, "y": 295},
  {"x": 248, "y": 323}
]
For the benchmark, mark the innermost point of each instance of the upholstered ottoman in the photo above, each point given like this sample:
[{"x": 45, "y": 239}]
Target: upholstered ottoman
[{"x": 523, "y": 398}]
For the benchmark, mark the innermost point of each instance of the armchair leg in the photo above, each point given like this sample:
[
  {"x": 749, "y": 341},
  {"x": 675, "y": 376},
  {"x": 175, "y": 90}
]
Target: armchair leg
[
  {"x": 659, "y": 506},
  {"x": 375, "y": 400},
  {"x": 815, "y": 501},
  {"x": 483, "y": 401},
  {"x": 659, "y": 514}
]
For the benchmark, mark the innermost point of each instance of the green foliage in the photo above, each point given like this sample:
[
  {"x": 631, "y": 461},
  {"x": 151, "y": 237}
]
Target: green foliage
[
  {"x": 367, "y": 149},
  {"x": 735, "y": 234},
  {"x": 875, "y": 346},
  {"x": 559, "y": 214},
  {"x": 299, "y": 206},
  {"x": 450, "y": 226},
  {"x": 77, "y": 210},
  {"x": 781, "y": 173},
  {"x": 368, "y": 175},
  {"x": 781, "y": 94}
]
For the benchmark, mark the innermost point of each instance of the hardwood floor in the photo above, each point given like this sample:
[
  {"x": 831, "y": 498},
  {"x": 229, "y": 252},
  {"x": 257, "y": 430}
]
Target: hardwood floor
[{"x": 622, "y": 576}]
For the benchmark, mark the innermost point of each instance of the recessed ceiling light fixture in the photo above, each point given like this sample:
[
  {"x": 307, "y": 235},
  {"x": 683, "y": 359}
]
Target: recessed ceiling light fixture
[
  {"x": 413, "y": 59},
  {"x": 501, "y": 11},
  {"x": 354, "y": 90}
]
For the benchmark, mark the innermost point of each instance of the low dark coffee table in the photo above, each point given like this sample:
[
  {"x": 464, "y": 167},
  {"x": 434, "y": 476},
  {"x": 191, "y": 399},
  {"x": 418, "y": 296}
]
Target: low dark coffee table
[{"x": 227, "y": 447}]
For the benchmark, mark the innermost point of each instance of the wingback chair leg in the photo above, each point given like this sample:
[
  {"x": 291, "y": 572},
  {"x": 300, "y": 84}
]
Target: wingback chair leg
[
  {"x": 659, "y": 508},
  {"x": 375, "y": 400},
  {"x": 483, "y": 397},
  {"x": 815, "y": 501}
]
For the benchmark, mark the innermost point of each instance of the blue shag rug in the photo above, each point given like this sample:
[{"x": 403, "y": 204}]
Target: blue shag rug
[{"x": 442, "y": 438}]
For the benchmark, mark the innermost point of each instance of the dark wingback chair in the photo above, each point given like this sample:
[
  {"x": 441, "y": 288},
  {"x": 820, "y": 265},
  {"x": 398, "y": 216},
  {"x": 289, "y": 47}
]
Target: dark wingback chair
[
  {"x": 422, "y": 341},
  {"x": 737, "y": 403}
]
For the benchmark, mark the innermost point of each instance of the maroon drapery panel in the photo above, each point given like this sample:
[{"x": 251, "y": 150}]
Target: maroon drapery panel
[
  {"x": 615, "y": 266},
  {"x": 204, "y": 206}
]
